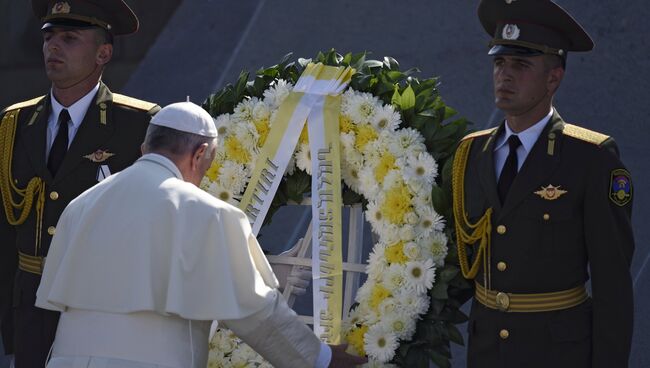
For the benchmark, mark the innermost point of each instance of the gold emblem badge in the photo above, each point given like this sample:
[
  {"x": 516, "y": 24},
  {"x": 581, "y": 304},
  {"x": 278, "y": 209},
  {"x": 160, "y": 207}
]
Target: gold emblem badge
[
  {"x": 550, "y": 193},
  {"x": 99, "y": 156},
  {"x": 61, "y": 7}
]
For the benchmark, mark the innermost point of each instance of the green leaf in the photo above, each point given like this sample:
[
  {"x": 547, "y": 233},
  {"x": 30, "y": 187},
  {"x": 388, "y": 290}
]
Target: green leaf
[
  {"x": 396, "y": 100},
  {"x": 439, "y": 290},
  {"x": 438, "y": 359},
  {"x": 408, "y": 98}
]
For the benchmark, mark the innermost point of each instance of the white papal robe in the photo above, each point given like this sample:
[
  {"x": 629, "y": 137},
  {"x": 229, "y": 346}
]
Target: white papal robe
[{"x": 141, "y": 264}]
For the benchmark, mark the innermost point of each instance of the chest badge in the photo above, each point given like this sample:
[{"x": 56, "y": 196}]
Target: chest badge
[
  {"x": 99, "y": 156},
  {"x": 550, "y": 193}
]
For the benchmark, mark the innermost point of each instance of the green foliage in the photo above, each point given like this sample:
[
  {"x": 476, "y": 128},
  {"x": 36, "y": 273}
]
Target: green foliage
[{"x": 421, "y": 108}]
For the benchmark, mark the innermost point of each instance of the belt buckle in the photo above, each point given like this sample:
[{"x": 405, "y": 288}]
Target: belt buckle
[{"x": 502, "y": 301}]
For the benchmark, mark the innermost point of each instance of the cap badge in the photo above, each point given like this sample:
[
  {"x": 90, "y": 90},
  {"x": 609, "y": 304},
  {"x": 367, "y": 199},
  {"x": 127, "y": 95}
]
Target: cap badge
[
  {"x": 550, "y": 193},
  {"x": 99, "y": 156},
  {"x": 510, "y": 1},
  {"x": 510, "y": 32},
  {"x": 61, "y": 7}
]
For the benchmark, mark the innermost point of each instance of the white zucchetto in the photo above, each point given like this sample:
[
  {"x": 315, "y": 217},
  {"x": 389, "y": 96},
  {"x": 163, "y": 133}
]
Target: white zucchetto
[{"x": 186, "y": 117}]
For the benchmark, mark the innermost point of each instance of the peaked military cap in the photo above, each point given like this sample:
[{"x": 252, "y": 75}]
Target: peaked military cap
[
  {"x": 531, "y": 27},
  {"x": 114, "y": 16}
]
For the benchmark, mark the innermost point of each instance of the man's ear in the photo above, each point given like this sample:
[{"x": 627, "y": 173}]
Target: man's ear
[
  {"x": 554, "y": 79},
  {"x": 199, "y": 154},
  {"x": 104, "y": 54}
]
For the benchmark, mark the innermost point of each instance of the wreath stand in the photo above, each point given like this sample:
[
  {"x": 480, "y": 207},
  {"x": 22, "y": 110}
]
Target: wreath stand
[{"x": 352, "y": 267}]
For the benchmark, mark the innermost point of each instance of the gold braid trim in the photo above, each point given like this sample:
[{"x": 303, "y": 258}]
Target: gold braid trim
[
  {"x": 8, "y": 188},
  {"x": 468, "y": 234}
]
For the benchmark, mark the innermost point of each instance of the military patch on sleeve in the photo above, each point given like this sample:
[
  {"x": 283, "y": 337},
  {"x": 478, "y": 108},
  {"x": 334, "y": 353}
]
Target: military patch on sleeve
[{"x": 620, "y": 187}]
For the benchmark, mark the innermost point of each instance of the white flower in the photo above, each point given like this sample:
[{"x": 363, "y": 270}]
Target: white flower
[
  {"x": 223, "y": 193},
  {"x": 244, "y": 110},
  {"x": 303, "y": 158},
  {"x": 400, "y": 323},
  {"x": 276, "y": 94},
  {"x": 430, "y": 220},
  {"x": 380, "y": 344},
  {"x": 412, "y": 302},
  {"x": 386, "y": 118},
  {"x": 393, "y": 278},
  {"x": 412, "y": 250},
  {"x": 420, "y": 275},
  {"x": 404, "y": 140},
  {"x": 222, "y": 122},
  {"x": 420, "y": 168},
  {"x": 361, "y": 108},
  {"x": 438, "y": 248},
  {"x": 368, "y": 184},
  {"x": 261, "y": 111},
  {"x": 406, "y": 233},
  {"x": 377, "y": 263},
  {"x": 233, "y": 175},
  {"x": 374, "y": 215}
]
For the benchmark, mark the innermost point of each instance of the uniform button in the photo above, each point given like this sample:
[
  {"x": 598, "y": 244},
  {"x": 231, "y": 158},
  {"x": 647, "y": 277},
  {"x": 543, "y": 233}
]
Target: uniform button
[
  {"x": 51, "y": 230},
  {"x": 546, "y": 217},
  {"x": 501, "y": 229},
  {"x": 501, "y": 266},
  {"x": 504, "y": 334},
  {"x": 54, "y": 196}
]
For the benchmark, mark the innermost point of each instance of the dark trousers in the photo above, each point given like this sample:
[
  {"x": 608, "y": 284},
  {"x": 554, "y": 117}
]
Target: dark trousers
[{"x": 34, "y": 328}]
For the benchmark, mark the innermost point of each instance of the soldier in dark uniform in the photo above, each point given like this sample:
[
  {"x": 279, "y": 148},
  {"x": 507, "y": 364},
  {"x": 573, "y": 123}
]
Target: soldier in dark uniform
[
  {"x": 542, "y": 206},
  {"x": 54, "y": 147}
]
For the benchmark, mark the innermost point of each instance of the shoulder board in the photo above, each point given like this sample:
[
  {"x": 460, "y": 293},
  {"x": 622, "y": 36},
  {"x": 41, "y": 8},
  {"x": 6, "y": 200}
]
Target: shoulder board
[
  {"x": 20, "y": 105},
  {"x": 133, "y": 102},
  {"x": 478, "y": 134},
  {"x": 584, "y": 134}
]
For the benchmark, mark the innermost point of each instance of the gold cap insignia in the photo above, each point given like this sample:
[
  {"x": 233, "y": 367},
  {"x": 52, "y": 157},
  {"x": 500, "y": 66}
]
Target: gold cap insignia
[
  {"x": 550, "y": 193},
  {"x": 510, "y": 32},
  {"x": 99, "y": 156},
  {"x": 61, "y": 7}
]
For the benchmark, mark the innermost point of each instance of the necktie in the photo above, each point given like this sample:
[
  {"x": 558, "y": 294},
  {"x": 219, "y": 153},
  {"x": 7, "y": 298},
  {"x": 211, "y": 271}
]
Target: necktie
[
  {"x": 509, "y": 171},
  {"x": 60, "y": 145}
]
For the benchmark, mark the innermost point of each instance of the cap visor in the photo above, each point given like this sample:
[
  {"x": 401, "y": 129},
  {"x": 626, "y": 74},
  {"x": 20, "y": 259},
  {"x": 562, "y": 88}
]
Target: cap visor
[
  {"x": 513, "y": 50},
  {"x": 67, "y": 24}
]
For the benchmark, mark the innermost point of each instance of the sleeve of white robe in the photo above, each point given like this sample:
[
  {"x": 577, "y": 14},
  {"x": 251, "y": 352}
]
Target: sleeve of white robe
[{"x": 280, "y": 337}]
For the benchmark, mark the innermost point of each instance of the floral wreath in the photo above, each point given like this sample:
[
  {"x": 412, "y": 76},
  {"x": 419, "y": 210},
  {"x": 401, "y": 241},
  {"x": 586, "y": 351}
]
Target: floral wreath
[{"x": 394, "y": 138}]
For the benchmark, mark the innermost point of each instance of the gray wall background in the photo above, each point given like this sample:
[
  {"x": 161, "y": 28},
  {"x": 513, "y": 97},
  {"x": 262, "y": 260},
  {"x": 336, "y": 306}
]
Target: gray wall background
[{"x": 206, "y": 43}]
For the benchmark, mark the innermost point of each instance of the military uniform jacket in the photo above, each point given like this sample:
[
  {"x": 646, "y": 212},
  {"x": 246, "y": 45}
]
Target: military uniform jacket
[
  {"x": 541, "y": 245},
  {"x": 108, "y": 138}
]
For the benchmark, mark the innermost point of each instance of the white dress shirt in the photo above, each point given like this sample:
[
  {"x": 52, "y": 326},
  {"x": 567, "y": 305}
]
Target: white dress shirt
[
  {"x": 77, "y": 113},
  {"x": 527, "y": 137}
]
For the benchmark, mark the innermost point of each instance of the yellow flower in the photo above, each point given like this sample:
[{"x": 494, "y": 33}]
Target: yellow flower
[
  {"x": 263, "y": 127},
  {"x": 304, "y": 135},
  {"x": 365, "y": 133},
  {"x": 355, "y": 339},
  {"x": 395, "y": 253},
  {"x": 386, "y": 164},
  {"x": 345, "y": 124},
  {"x": 213, "y": 171},
  {"x": 379, "y": 293},
  {"x": 236, "y": 151},
  {"x": 397, "y": 204}
]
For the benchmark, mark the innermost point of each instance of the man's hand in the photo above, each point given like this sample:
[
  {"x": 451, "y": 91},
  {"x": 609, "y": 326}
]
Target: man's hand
[
  {"x": 299, "y": 279},
  {"x": 341, "y": 359}
]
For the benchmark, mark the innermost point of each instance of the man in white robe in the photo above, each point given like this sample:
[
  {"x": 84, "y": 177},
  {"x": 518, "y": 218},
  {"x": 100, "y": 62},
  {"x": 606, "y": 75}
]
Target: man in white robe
[{"x": 144, "y": 261}]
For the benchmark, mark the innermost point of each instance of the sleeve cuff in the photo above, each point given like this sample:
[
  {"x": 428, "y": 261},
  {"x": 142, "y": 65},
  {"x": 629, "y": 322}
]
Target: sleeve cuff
[{"x": 324, "y": 356}]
